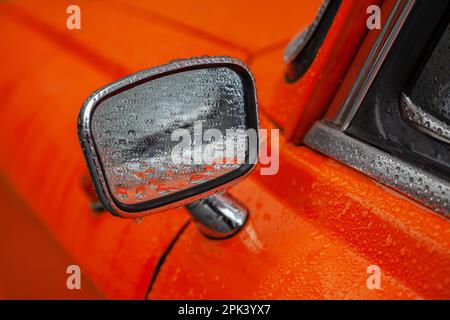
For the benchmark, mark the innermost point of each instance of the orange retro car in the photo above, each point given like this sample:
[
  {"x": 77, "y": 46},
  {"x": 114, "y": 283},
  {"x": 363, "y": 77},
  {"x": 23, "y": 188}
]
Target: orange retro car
[{"x": 118, "y": 183}]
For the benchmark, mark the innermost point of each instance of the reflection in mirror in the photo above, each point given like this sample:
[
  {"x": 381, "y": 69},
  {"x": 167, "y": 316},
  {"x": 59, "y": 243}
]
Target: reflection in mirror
[{"x": 153, "y": 139}]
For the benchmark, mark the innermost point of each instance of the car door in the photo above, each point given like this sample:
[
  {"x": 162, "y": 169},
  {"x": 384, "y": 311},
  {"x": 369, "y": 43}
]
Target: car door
[
  {"x": 352, "y": 197},
  {"x": 47, "y": 71}
]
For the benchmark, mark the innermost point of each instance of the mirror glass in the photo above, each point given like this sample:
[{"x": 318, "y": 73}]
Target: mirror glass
[{"x": 171, "y": 133}]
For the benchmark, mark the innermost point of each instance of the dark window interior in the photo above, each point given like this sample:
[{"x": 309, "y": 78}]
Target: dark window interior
[
  {"x": 418, "y": 64},
  {"x": 431, "y": 91}
]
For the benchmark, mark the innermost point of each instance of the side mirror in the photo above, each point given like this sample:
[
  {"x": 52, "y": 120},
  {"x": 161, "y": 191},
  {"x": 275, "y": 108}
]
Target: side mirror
[{"x": 170, "y": 135}]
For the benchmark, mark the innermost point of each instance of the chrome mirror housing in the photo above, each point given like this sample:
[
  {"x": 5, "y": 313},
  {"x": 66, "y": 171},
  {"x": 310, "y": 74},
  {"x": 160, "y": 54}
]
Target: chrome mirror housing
[{"x": 170, "y": 135}]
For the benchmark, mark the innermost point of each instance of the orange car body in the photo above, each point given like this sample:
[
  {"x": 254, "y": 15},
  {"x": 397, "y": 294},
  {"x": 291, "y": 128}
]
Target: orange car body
[{"x": 314, "y": 228}]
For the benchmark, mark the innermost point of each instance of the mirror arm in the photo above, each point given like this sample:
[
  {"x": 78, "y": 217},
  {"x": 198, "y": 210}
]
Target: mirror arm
[{"x": 218, "y": 216}]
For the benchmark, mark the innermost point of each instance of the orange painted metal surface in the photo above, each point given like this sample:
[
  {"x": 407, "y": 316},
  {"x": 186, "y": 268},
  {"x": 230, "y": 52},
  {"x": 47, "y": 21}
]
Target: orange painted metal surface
[
  {"x": 314, "y": 227},
  {"x": 32, "y": 263},
  {"x": 46, "y": 73},
  {"x": 357, "y": 63},
  {"x": 337, "y": 53},
  {"x": 306, "y": 100}
]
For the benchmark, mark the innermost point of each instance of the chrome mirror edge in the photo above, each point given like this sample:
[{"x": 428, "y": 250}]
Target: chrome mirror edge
[{"x": 88, "y": 145}]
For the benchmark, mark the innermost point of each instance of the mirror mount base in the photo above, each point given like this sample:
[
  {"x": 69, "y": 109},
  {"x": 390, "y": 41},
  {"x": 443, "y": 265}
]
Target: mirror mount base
[{"x": 219, "y": 216}]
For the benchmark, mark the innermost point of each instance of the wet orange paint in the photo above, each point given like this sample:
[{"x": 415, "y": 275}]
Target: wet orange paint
[
  {"x": 314, "y": 230},
  {"x": 314, "y": 227}
]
